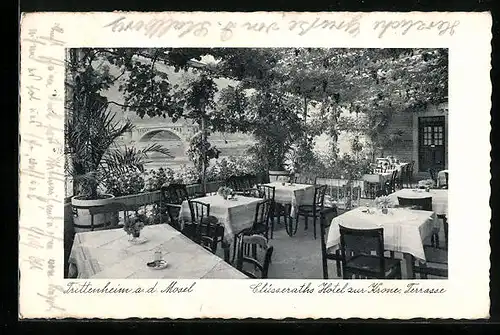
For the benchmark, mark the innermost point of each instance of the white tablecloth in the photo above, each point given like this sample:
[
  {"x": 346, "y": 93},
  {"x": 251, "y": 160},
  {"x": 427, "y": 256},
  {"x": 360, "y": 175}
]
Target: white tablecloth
[
  {"x": 404, "y": 229},
  {"x": 108, "y": 254},
  {"x": 441, "y": 178},
  {"x": 295, "y": 195},
  {"x": 377, "y": 178},
  {"x": 439, "y": 198},
  {"x": 235, "y": 215}
]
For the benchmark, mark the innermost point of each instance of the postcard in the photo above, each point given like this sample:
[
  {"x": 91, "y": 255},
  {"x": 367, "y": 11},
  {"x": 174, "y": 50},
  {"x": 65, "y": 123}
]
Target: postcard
[{"x": 254, "y": 165}]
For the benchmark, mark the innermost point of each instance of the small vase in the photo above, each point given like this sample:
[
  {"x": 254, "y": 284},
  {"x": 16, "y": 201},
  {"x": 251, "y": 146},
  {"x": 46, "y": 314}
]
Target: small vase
[
  {"x": 385, "y": 210},
  {"x": 136, "y": 235},
  {"x": 427, "y": 189}
]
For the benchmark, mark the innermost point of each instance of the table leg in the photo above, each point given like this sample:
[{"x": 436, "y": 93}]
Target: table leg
[{"x": 409, "y": 260}]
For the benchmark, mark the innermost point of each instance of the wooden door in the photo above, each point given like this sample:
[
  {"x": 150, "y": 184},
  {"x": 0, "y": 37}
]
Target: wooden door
[{"x": 431, "y": 143}]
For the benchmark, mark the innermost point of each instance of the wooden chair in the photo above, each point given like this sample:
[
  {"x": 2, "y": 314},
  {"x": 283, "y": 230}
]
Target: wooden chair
[
  {"x": 277, "y": 210},
  {"x": 173, "y": 195},
  {"x": 261, "y": 219},
  {"x": 358, "y": 260},
  {"x": 408, "y": 179},
  {"x": 424, "y": 204},
  {"x": 304, "y": 179},
  {"x": 113, "y": 208},
  {"x": 444, "y": 219},
  {"x": 260, "y": 224},
  {"x": 205, "y": 229},
  {"x": 312, "y": 210},
  {"x": 327, "y": 254},
  {"x": 241, "y": 185},
  {"x": 445, "y": 186},
  {"x": 435, "y": 264},
  {"x": 433, "y": 174},
  {"x": 250, "y": 247},
  {"x": 390, "y": 185}
]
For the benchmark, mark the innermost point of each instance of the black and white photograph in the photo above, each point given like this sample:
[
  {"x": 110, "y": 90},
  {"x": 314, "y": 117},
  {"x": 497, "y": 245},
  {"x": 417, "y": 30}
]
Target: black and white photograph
[{"x": 256, "y": 163}]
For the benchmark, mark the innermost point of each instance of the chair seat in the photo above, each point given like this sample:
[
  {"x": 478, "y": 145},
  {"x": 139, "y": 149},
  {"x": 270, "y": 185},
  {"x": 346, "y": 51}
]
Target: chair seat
[
  {"x": 369, "y": 263},
  {"x": 308, "y": 209},
  {"x": 435, "y": 255},
  {"x": 258, "y": 229},
  {"x": 332, "y": 253}
]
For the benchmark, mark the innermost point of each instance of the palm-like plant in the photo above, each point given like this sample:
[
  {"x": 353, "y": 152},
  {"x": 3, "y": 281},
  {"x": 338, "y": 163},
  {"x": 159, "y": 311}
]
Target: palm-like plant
[{"x": 91, "y": 136}]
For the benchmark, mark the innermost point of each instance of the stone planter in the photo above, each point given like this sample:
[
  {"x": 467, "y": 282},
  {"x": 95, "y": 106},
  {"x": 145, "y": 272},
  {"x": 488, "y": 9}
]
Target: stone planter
[{"x": 82, "y": 218}]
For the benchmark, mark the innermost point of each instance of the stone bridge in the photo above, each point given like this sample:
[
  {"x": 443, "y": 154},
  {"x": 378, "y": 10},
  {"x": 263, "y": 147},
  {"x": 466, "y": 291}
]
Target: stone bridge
[{"x": 144, "y": 133}]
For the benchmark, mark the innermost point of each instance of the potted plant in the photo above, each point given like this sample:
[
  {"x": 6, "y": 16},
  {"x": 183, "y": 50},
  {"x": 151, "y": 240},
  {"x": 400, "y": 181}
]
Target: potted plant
[
  {"x": 384, "y": 203},
  {"x": 91, "y": 135}
]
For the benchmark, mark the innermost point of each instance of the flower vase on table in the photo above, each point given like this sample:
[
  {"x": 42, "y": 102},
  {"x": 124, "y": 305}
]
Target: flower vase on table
[
  {"x": 133, "y": 226},
  {"x": 383, "y": 203},
  {"x": 225, "y": 192}
]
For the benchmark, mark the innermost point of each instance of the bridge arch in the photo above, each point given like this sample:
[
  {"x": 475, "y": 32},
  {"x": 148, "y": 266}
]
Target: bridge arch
[
  {"x": 175, "y": 143},
  {"x": 170, "y": 135}
]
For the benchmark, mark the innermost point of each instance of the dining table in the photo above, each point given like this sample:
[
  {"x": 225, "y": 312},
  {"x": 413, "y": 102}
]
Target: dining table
[
  {"x": 439, "y": 198},
  {"x": 111, "y": 254},
  {"x": 293, "y": 194},
  {"x": 236, "y": 214},
  {"x": 404, "y": 230}
]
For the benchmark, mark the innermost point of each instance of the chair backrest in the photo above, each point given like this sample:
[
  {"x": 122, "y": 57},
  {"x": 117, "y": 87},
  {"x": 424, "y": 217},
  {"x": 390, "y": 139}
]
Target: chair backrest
[
  {"x": 424, "y": 204},
  {"x": 262, "y": 212},
  {"x": 175, "y": 193},
  {"x": 254, "y": 251},
  {"x": 355, "y": 242},
  {"x": 267, "y": 192},
  {"x": 319, "y": 197},
  {"x": 236, "y": 183},
  {"x": 199, "y": 210},
  {"x": 301, "y": 178},
  {"x": 249, "y": 180},
  {"x": 209, "y": 233},
  {"x": 446, "y": 178}
]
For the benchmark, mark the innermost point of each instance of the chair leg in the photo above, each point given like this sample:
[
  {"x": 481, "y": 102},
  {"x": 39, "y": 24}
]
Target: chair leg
[
  {"x": 338, "y": 263},
  {"x": 226, "y": 248},
  {"x": 314, "y": 226}
]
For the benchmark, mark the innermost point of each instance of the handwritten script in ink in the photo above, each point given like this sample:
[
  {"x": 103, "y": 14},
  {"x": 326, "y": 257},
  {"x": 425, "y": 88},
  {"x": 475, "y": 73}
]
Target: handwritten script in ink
[
  {"x": 350, "y": 25},
  {"x": 41, "y": 177},
  {"x": 405, "y": 26},
  {"x": 227, "y": 30}
]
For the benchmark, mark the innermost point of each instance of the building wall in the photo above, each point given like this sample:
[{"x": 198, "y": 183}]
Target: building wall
[
  {"x": 407, "y": 148},
  {"x": 432, "y": 110}
]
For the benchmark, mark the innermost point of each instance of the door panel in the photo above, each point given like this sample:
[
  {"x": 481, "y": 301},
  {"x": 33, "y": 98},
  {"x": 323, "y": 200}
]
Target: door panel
[{"x": 431, "y": 144}]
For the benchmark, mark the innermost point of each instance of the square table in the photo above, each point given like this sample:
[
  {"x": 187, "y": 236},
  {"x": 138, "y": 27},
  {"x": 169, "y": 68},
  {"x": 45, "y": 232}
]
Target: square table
[
  {"x": 235, "y": 214},
  {"x": 404, "y": 230},
  {"x": 293, "y": 194},
  {"x": 108, "y": 254},
  {"x": 439, "y": 198}
]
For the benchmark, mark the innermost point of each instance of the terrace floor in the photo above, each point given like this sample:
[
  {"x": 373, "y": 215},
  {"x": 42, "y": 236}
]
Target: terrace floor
[{"x": 299, "y": 257}]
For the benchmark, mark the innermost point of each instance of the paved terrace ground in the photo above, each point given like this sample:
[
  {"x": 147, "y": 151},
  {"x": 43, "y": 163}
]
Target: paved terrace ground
[{"x": 299, "y": 257}]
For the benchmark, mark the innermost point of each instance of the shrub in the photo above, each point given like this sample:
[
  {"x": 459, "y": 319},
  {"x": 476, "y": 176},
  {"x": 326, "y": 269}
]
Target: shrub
[
  {"x": 155, "y": 179},
  {"x": 130, "y": 182}
]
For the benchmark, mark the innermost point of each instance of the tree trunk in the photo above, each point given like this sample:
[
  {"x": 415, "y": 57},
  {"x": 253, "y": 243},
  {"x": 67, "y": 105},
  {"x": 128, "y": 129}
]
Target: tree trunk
[
  {"x": 203, "y": 154},
  {"x": 305, "y": 109}
]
